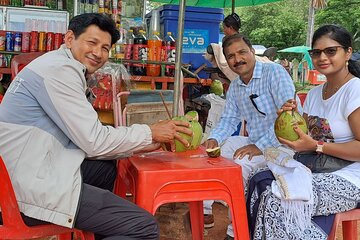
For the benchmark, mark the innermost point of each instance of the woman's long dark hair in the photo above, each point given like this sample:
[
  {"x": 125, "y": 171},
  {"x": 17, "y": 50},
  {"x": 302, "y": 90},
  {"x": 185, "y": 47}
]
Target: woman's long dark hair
[{"x": 342, "y": 36}]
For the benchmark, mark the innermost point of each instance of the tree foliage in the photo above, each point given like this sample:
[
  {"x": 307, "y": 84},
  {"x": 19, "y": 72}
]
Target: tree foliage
[
  {"x": 285, "y": 23},
  {"x": 152, "y": 5},
  {"x": 281, "y": 24},
  {"x": 342, "y": 12}
]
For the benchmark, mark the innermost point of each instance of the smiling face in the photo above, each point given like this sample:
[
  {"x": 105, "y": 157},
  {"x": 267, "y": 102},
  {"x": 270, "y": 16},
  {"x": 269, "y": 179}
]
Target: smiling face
[
  {"x": 241, "y": 59},
  {"x": 91, "y": 48},
  {"x": 328, "y": 64}
]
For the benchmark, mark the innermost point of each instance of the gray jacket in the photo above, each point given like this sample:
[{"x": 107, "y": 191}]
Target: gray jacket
[{"x": 47, "y": 128}]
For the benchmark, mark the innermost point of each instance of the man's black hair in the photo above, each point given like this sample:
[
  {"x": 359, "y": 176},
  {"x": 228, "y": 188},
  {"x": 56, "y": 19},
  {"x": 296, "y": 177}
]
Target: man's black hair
[
  {"x": 228, "y": 40},
  {"x": 80, "y": 23}
]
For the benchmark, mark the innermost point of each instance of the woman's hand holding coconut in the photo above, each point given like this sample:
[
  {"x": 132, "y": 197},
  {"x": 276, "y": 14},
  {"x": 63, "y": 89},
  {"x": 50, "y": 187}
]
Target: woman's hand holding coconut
[
  {"x": 288, "y": 106},
  {"x": 168, "y": 130},
  {"x": 291, "y": 128},
  {"x": 303, "y": 144}
]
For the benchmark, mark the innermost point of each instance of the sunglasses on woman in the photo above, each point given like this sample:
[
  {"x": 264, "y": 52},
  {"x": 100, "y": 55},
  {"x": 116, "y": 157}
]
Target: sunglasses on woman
[{"x": 329, "y": 51}]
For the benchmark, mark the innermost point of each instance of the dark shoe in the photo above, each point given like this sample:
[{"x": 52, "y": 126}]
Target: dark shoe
[
  {"x": 228, "y": 237},
  {"x": 208, "y": 220}
]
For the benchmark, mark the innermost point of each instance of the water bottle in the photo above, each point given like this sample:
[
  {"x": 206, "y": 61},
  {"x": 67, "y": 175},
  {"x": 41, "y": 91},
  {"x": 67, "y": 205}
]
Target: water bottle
[
  {"x": 140, "y": 53},
  {"x": 120, "y": 45},
  {"x": 154, "y": 54},
  {"x": 169, "y": 54},
  {"x": 129, "y": 49}
]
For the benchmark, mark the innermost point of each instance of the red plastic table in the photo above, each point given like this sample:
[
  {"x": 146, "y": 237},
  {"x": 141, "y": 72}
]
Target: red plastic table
[{"x": 157, "y": 178}]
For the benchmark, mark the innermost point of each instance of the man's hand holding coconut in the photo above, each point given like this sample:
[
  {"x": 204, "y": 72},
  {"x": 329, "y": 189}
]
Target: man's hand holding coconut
[{"x": 168, "y": 131}]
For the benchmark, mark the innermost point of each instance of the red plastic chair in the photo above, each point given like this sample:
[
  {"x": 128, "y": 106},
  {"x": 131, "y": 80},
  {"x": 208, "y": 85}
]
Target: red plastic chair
[
  {"x": 349, "y": 225},
  {"x": 302, "y": 97},
  {"x": 20, "y": 61},
  {"x": 157, "y": 178},
  {"x": 14, "y": 227}
]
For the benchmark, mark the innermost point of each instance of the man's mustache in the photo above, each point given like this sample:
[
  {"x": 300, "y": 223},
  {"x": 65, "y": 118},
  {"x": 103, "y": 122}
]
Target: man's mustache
[{"x": 239, "y": 63}]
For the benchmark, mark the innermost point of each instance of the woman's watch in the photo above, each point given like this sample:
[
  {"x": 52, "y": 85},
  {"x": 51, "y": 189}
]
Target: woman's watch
[{"x": 319, "y": 146}]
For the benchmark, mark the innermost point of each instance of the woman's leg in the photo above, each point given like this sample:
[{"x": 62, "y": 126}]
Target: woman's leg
[{"x": 332, "y": 194}]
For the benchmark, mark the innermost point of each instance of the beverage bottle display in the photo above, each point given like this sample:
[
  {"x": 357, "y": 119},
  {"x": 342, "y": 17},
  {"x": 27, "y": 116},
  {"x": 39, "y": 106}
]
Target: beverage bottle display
[
  {"x": 154, "y": 54},
  {"x": 169, "y": 54},
  {"x": 120, "y": 45},
  {"x": 140, "y": 53},
  {"x": 88, "y": 6},
  {"x": 129, "y": 49}
]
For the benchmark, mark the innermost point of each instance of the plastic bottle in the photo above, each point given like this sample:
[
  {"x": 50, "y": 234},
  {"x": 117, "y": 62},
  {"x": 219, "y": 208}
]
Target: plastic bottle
[
  {"x": 95, "y": 6},
  {"x": 81, "y": 8},
  {"x": 140, "y": 53},
  {"x": 154, "y": 54},
  {"x": 88, "y": 6},
  {"x": 169, "y": 54},
  {"x": 120, "y": 45},
  {"x": 101, "y": 6},
  {"x": 129, "y": 47}
]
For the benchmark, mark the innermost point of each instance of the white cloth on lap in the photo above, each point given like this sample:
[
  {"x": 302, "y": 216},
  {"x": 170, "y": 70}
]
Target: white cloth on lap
[{"x": 292, "y": 184}]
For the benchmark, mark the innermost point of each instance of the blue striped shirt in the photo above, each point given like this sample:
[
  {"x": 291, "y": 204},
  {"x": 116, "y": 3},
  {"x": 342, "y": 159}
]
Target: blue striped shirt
[{"x": 273, "y": 86}]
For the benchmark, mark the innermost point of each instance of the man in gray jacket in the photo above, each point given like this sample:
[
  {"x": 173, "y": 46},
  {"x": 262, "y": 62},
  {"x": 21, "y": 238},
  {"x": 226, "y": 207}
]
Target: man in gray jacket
[{"x": 48, "y": 128}]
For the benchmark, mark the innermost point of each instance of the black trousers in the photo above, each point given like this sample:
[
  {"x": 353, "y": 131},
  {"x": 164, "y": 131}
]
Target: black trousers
[{"x": 107, "y": 215}]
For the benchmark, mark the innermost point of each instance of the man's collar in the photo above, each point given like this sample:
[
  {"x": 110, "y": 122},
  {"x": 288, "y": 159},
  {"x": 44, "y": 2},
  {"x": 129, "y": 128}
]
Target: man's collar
[
  {"x": 67, "y": 51},
  {"x": 256, "y": 72},
  {"x": 70, "y": 55},
  {"x": 258, "y": 69}
]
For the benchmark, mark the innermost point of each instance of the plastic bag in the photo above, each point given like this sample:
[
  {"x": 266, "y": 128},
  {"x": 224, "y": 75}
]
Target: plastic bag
[
  {"x": 216, "y": 109},
  {"x": 105, "y": 84}
]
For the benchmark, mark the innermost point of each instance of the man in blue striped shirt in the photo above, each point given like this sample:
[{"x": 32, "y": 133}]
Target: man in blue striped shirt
[{"x": 255, "y": 96}]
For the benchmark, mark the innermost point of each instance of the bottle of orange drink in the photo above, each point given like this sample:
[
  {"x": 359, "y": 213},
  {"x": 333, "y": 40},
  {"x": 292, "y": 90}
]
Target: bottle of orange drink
[{"x": 154, "y": 54}]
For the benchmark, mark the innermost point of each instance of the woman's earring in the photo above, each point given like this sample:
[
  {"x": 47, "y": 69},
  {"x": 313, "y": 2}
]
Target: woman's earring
[{"x": 347, "y": 63}]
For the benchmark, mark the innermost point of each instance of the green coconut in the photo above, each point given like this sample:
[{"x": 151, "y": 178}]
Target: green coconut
[
  {"x": 197, "y": 134},
  {"x": 179, "y": 147},
  {"x": 284, "y": 125},
  {"x": 192, "y": 115},
  {"x": 213, "y": 152},
  {"x": 216, "y": 87}
]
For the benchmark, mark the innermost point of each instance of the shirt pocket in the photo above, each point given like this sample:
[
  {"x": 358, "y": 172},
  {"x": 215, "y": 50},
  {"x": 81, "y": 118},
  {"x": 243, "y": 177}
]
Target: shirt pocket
[{"x": 261, "y": 105}]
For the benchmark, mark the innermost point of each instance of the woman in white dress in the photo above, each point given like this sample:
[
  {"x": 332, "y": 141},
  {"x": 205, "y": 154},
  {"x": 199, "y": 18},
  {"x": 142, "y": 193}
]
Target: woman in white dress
[{"x": 332, "y": 112}]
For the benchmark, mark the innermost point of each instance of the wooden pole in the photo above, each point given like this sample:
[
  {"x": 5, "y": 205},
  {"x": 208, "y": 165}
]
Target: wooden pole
[
  {"x": 310, "y": 29},
  {"x": 178, "y": 55}
]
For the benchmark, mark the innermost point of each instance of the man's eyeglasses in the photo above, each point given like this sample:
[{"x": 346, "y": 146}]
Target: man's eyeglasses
[
  {"x": 329, "y": 51},
  {"x": 252, "y": 97}
]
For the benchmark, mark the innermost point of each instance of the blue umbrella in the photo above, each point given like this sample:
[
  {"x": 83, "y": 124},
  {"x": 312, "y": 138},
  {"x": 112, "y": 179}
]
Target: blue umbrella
[
  {"x": 296, "y": 49},
  {"x": 300, "y": 49}
]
